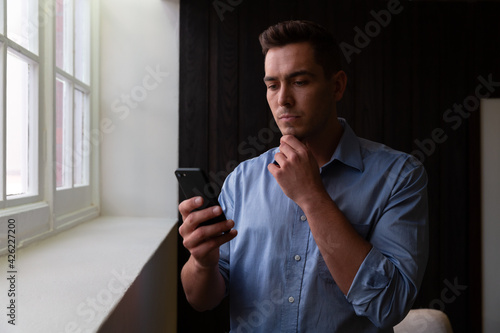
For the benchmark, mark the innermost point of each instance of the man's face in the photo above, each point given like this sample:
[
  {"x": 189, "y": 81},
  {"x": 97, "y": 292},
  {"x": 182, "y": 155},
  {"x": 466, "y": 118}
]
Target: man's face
[{"x": 302, "y": 100}]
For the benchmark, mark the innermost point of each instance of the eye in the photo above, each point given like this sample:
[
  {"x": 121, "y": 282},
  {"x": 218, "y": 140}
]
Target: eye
[
  {"x": 272, "y": 86},
  {"x": 300, "y": 83}
]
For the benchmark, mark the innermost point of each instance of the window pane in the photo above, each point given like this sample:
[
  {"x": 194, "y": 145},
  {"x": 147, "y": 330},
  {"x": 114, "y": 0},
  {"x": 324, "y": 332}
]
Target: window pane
[
  {"x": 1, "y": 16},
  {"x": 63, "y": 134},
  {"x": 81, "y": 145},
  {"x": 21, "y": 124},
  {"x": 82, "y": 40},
  {"x": 64, "y": 36},
  {"x": 22, "y": 23}
]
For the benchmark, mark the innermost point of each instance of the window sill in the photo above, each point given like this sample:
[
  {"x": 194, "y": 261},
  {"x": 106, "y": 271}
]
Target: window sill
[{"x": 71, "y": 282}]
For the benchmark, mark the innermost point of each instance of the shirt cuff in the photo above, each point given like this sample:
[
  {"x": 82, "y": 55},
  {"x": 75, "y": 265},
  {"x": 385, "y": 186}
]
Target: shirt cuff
[{"x": 373, "y": 277}]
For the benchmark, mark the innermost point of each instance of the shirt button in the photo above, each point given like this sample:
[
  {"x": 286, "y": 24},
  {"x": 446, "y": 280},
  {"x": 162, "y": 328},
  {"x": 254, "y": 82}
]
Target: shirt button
[
  {"x": 297, "y": 257},
  {"x": 291, "y": 299},
  {"x": 303, "y": 218}
]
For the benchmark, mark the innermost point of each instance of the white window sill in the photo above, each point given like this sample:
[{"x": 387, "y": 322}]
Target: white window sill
[{"x": 72, "y": 281}]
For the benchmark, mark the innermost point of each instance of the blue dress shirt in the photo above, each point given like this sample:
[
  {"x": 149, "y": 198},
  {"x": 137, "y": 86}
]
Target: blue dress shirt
[{"x": 276, "y": 276}]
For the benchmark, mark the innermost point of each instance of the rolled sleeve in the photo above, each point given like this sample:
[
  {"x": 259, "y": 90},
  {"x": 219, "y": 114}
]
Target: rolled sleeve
[
  {"x": 388, "y": 280},
  {"x": 373, "y": 283}
]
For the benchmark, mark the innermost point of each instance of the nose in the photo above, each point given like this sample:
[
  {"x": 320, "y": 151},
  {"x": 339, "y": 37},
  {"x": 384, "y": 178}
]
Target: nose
[{"x": 285, "y": 96}]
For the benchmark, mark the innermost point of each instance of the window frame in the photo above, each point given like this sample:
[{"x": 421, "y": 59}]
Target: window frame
[
  {"x": 7, "y": 45},
  {"x": 74, "y": 84},
  {"x": 50, "y": 210}
]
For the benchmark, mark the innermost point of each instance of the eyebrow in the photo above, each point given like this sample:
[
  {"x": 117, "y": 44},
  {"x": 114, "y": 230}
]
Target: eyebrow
[{"x": 290, "y": 76}]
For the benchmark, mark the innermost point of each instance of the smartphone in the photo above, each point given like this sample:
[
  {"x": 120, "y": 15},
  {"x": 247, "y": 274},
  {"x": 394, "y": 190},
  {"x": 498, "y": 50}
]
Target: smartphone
[{"x": 194, "y": 182}]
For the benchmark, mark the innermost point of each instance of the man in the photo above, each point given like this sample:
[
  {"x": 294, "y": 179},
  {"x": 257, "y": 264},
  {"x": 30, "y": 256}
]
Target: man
[{"x": 332, "y": 229}]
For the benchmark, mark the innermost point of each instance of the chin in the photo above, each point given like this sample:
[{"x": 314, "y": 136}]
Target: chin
[
  {"x": 296, "y": 134},
  {"x": 289, "y": 130}
]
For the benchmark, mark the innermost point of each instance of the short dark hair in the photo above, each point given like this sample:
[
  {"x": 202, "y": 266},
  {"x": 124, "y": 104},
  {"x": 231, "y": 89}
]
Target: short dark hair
[{"x": 326, "y": 49}]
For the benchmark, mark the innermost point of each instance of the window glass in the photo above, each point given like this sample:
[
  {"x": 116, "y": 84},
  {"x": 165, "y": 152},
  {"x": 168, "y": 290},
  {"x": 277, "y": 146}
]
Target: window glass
[
  {"x": 64, "y": 35},
  {"x": 22, "y": 23},
  {"x": 82, "y": 40},
  {"x": 81, "y": 145},
  {"x": 21, "y": 127},
  {"x": 63, "y": 134},
  {"x": 1, "y": 17}
]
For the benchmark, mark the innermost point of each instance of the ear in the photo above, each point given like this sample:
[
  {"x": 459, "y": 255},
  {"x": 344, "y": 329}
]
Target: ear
[{"x": 339, "y": 84}]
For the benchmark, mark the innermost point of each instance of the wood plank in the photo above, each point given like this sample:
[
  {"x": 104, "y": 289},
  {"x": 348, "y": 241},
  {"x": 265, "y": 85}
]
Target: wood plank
[
  {"x": 255, "y": 135},
  {"x": 369, "y": 73},
  {"x": 223, "y": 90},
  {"x": 397, "y": 80},
  {"x": 193, "y": 83}
]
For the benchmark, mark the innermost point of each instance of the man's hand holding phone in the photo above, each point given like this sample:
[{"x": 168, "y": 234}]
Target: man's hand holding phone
[
  {"x": 202, "y": 282},
  {"x": 203, "y": 242}
]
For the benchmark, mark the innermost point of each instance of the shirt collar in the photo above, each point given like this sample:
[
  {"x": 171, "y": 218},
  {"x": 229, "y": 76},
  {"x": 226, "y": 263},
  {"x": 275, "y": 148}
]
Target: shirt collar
[{"x": 348, "y": 150}]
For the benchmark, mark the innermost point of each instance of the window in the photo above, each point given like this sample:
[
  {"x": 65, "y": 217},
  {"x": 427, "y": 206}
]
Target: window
[
  {"x": 20, "y": 149},
  {"x": 72, "y": 93},
  {"x": 46, "y": 178},
  {"x": 21, "y": 146}
]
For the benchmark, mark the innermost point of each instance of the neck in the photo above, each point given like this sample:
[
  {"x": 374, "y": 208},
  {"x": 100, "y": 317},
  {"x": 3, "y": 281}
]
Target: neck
[{"x": 324, "y": 144}]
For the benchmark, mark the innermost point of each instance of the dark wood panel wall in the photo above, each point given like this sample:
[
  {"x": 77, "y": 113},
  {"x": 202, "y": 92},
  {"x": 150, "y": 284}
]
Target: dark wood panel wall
[{"x": 416, "y": 70}]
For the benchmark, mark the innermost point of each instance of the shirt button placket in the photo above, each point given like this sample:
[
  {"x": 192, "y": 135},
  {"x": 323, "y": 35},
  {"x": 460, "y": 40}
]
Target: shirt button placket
[{"x": 296, "y": 259}]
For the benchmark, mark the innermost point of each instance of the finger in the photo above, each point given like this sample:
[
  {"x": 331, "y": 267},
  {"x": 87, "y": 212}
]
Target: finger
[
  {"x": 218, "y": 241},
  {"x": 280, "y": 158},
  {"x": 293, "y": 148},
  {"x": 292, "y": 141},
  {"x": 286, "y": 150},
  {"x": 188, "y": 205},
  {"x": 194, "y": 219},
  {"x": 273, "y": 169},
  {"x": 212, "y": 244},
  {"x": 206, "y": 233}
]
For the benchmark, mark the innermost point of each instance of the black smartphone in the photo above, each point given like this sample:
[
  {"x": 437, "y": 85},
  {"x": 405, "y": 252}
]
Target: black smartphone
[{"x": 194, "y": 182}]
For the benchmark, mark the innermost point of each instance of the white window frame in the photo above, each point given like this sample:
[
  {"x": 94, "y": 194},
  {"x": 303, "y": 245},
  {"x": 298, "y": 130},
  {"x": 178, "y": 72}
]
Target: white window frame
[
  {"x": 51, "y": 210},
  {"x": 7, "y": 45}
]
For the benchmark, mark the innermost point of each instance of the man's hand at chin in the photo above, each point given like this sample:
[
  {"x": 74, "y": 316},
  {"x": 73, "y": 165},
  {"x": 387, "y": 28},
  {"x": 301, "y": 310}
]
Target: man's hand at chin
[{"x": 297, "y": 171}]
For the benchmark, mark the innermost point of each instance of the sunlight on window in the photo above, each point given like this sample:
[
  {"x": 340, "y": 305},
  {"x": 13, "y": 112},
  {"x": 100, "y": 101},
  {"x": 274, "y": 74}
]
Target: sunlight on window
[
  {"x": 64, "y": 36},
  {"x": 72, "y": 93},
  {"x": 63, "y": 135},
  {"x": 82, "y": 41},
  {"x": 22, "y": 23},
  {"x": 18, "y": 149},
  {"x": 2, "y": 17},
  {"x": 81, "y": 145}
]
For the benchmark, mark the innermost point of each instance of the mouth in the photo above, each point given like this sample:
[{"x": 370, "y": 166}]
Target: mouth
[{"x": 288, "y": 117}]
